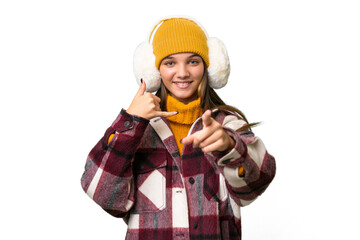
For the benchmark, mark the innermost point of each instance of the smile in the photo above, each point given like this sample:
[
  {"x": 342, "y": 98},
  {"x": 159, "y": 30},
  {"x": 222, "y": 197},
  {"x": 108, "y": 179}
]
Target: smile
[{"x": 182, "y": 85}]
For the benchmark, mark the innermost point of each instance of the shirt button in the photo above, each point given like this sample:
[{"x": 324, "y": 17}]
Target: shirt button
[
  {"x": 191, "y": 180},
  {"x": 195, "y": 224},
  {"x": 126, "y": 124}
]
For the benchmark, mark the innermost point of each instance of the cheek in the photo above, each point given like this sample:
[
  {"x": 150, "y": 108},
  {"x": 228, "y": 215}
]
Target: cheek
[
  {"x": 166, "y": 78},
  {"x": 166, "y": 74},
  {"x": 200, "y": 73}
]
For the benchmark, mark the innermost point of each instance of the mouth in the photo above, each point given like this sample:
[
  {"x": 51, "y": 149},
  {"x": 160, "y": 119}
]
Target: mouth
[{"x": 182, "y": 85}]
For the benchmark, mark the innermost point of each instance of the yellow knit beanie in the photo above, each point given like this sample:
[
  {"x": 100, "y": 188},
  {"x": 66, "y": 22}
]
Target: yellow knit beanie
[{"x": 178, "y": 35}]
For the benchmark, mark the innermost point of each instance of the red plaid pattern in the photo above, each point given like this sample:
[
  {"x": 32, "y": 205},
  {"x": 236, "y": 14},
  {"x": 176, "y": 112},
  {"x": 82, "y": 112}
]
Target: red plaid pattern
[{"x": 140, "y": 176}]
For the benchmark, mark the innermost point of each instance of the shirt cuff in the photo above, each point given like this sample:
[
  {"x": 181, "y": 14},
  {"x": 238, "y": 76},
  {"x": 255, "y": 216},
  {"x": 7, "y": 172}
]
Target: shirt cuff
[
  {"x": 125, "y": 121},
  {"x": 230, "y": 158}
]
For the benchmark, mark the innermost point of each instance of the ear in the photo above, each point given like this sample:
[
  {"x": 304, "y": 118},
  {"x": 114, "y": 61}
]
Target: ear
[
  {"x": 219, "y": 64},
  {"x": 144, "y": 67}
]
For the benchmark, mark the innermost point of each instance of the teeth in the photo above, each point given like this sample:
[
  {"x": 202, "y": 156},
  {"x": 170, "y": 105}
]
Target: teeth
[{"x": 183, "y": 84}]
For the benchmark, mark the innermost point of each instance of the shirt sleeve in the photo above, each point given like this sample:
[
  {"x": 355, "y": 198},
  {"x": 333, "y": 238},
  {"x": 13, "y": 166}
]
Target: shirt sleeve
[
  {"x": 250, "y": 154},
  {"x": 108, "y": 177}
]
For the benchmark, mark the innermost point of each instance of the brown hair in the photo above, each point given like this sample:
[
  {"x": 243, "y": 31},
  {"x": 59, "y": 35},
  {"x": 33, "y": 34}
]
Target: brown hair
[{"x": 209, "y": 100}]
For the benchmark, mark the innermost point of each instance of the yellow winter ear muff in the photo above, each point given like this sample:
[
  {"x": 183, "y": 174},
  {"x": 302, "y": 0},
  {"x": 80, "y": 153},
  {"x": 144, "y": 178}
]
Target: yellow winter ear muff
[{"x": 193, "y": 39}]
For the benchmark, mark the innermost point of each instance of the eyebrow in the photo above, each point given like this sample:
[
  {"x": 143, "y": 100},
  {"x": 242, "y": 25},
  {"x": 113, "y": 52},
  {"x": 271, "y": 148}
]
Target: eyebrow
[{"x": 194, "y": 55}]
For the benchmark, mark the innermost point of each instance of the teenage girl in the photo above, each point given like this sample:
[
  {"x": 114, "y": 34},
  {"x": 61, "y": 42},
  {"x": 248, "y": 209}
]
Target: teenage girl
[{"x": 180, "y": 163}]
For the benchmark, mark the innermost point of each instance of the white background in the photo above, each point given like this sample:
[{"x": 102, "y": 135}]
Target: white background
[{"x": 66, "y": 71}]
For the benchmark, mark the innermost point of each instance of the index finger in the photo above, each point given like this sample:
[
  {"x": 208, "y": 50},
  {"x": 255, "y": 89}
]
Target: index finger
[{"x": 206, "y": 118}]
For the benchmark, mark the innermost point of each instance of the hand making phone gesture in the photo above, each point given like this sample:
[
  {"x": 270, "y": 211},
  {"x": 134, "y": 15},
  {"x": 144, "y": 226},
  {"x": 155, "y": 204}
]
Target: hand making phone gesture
[{"x": 147, "y": 105}]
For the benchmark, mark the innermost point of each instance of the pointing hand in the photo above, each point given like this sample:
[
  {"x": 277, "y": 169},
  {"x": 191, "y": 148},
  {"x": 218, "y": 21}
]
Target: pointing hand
[{"x": 211, "y": 138}]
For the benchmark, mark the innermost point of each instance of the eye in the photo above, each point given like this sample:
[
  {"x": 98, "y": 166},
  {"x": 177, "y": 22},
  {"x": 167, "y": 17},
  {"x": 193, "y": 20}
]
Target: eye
[
  {"x": 168, "y": 63},
  {"x": 194, "y": 61}
]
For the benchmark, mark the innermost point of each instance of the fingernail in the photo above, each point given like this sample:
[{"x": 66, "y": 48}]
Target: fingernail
[
  {"x": 181, "y": 140},
  {"x": 141, "y": 81},
  {"x": 176, "y": 113}
]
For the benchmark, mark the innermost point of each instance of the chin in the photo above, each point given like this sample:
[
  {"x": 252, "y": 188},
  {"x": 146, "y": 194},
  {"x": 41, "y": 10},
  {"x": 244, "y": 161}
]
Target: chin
[{"x": 186, "y": 98}]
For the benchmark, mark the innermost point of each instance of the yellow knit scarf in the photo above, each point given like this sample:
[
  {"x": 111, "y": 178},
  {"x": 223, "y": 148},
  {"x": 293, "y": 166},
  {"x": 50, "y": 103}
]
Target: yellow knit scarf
[{"x": 187, "y": 114}]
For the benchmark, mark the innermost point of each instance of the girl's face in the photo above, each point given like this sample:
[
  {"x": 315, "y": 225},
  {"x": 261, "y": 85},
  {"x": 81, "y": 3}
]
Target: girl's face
[{"x": 182, "y": 74}]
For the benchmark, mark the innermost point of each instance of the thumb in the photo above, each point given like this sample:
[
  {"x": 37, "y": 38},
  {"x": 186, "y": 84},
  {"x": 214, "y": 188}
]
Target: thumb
[
  {"x": 187, "y": 140},
  {"x": 142, "y": 88},
  {"x": 206, "y": 118}
]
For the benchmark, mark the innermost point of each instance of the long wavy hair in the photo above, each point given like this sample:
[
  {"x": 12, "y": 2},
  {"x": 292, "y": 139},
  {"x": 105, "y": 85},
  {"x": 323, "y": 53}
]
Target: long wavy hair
[{"x": 209, "y": 100}]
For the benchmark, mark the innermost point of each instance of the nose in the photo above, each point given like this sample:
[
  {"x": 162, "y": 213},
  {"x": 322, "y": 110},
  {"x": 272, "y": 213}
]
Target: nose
[{"x": 182, "y": 71}]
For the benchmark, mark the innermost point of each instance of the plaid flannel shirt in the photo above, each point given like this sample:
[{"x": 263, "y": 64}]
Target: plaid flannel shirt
[{"x": 140, "y": 176}]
